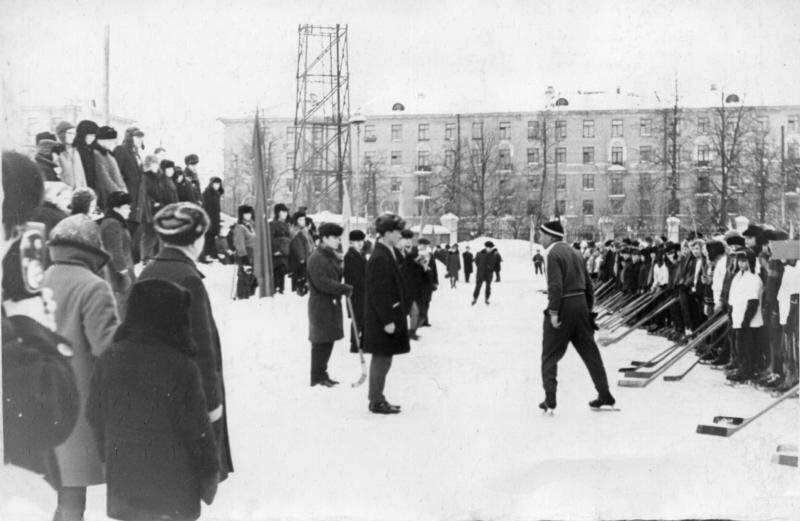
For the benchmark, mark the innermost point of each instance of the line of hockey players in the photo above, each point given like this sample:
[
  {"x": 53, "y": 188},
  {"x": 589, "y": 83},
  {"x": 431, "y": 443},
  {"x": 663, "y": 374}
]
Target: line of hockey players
[{"x": 732, "y": 273}]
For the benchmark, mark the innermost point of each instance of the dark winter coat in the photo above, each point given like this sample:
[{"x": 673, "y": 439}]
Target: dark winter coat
[
  {"x": 385, "y": 303},
  {"x": 86, "y": 316},
  {"x": 453, "y": 264},
  {"x": 431, "y": 280},
  {"x": 567, "y": 277},
  {"x": 468, "y": 260},
  {"x": 211, "y": 204},
  {"x": 149, "y": 415},
  {"x": 117, "y": 242},
  {"x": 86, "y": 151},
  {"x": 485, "y": 264},
  {"x": 130, "y": 166},
  {"x": 155, "y": 192},
  {"x": 497, "y": 261},
  {"x": 49, "y": 215},
  {"x": 191, "y": 175},
  {"x": 173, "y": 265},
  {"x": 414, "y": 277},
  {"x": 355, "y": 272},
  {"x": 281, "y": 238},
  {"x": 607, "y": 267},
  {"x": 184, "y": 188},
  {"x": 300, "y": 249},
  {"x": 325, "y": 289}
]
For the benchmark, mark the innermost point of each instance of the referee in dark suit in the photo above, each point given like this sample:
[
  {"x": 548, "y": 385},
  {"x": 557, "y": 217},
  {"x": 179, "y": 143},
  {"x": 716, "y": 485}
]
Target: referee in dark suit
[{"x": 568, "y": 317}]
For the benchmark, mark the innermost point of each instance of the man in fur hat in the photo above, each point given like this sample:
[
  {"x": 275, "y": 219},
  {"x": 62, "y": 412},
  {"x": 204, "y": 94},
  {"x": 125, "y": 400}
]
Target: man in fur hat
[{"x": 568, "y": 317}]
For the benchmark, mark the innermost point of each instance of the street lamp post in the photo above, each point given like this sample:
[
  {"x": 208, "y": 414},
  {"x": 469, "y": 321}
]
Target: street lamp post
[
  {"x": 357, "y": 120},
  {"x": 723, "y": 207}
]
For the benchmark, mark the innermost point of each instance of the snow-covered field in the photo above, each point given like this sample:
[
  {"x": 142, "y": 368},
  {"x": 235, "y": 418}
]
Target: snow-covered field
[{"x": 470, "y": 442}]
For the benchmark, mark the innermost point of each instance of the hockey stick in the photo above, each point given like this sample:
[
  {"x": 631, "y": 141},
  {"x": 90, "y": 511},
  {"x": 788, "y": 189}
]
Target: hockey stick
[
  {"x": 631, "y": 313},
  {"x": 679, "y": 377},
  {"x": 608, "y": 314},
  {"x": 363, "y": 377},
  {"x": 630, "y": 305},
  {"x": 607, "y": 297},
  {"x": 235, "y": 277},
  {"x": 662, "y": 307},
  {"x": 735, "y": 423},
  {"x": 637, "y": 379}
]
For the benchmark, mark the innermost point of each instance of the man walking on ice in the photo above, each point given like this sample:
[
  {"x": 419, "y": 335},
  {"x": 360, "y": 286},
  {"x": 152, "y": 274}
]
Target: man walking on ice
[{"x": 568, "y": 317}]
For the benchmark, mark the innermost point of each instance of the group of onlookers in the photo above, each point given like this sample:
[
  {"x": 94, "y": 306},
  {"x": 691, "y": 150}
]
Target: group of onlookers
[{"x": 109, "y": 377}]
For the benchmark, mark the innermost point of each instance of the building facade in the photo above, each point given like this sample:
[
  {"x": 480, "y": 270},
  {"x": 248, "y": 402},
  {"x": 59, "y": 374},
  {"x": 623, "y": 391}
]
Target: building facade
[{"x": 597, "y": 169}]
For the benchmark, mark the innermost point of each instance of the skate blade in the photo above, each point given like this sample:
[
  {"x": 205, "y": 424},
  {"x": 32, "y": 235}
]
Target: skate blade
[{"x": 606, "y": 408}]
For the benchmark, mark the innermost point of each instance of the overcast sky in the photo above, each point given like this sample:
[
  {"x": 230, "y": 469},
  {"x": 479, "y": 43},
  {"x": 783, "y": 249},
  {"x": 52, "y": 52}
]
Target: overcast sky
[{"x": 179, "y": 65}]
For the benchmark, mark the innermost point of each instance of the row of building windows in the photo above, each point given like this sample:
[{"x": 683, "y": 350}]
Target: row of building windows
[{"x": 534, "y": 129}]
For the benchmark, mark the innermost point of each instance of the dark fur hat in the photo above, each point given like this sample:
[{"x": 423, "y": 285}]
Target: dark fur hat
[
  {"x": 243, "y": 209},
  {"x": 330, "y": 230},
  {"x": 357, "y": 235},
  {"x": 389, "y": 222},
  {"x": 191, "y": 159},
  {"x": 106, "y": 132}
]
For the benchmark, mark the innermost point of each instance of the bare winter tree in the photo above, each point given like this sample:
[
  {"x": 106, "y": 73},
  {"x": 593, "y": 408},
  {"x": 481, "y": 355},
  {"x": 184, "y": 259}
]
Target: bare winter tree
[
  {"x": 549, "y": 135},
  {"x": 239, "y": 174},
  {"x": 761, "y": 169},
  {"x": 672, "y": 128},
  {"x": 373, "y": 187},
  {"x": 732, "y": 123},
  {"x": 480, "y": 186}
]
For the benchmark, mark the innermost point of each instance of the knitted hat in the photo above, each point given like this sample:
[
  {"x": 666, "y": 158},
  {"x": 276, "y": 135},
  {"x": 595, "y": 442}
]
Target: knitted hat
[
  {"x": 41, "y": 136},
  {"x": 330, "y": 230},
  {"x": 61, "y": 130},
  {"x": 23, "y": 188},
  {"x": 77, "y": 230},
  {"x": 191, "y": 159},
  {"x": 181, "y": 224},
  {"x": 117, "y": 199},
  {"x": 106, "y": 132},
  {"x": 553, "y": 228},
  {"x": 161, "y": 307},
  {"x": 389, "y": 222},
  {"x": 82, "y": 200},
  {"x": 357, "y": 235}
]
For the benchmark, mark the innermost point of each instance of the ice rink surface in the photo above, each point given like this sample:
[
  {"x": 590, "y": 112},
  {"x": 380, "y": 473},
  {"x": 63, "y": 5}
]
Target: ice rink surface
[{"x": 470, "y": 442}]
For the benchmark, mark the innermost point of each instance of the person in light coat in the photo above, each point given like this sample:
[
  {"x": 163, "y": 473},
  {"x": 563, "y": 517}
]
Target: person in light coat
[{"x": 86, "y": 315}]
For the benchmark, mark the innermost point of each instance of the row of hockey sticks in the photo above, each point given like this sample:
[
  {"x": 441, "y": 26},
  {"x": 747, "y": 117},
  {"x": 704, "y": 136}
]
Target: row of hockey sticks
[
  {"x": 658, "y": 358},
  {"x": 664, "y": 306},
  {"x": 604, "y": 289},
  {"x": 625, "y": 316},
  {"x": 617, "y": 302},
  {"x": 638, "y": 378},
  {"x": 629, "y": 310},
  {"x": 613, "y": 308},
  {"x": 678, "y": 377}
]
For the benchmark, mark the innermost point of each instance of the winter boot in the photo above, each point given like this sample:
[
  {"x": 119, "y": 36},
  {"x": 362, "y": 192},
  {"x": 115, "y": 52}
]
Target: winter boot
[{"x": 548, "y": 405}]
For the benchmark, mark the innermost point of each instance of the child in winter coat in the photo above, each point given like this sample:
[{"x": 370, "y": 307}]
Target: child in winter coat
[
  {"x": 746, "y": 319},
  {"x": 148, "y": 412}
]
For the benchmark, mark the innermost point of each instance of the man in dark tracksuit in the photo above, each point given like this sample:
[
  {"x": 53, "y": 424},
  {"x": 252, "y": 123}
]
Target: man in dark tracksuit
[
  {"x": 567, "y": 318},
  {"x": 485, "y": 264}
]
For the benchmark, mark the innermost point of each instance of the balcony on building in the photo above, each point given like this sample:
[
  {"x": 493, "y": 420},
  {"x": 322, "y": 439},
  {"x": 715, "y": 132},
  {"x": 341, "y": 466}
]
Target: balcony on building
[{"x": 423, "y": 169}]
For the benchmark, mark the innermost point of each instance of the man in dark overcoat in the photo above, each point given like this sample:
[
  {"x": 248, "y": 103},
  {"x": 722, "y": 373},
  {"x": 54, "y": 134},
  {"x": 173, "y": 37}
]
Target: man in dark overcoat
[
  {"x": 485, "y": 264},
  {"x": 385, "y": 326},
  {"x": 355, "y": 272},
  {"x": 468, "y": 258},
  {"x": 181, "y": 228},
  {"x": 325, "y": 291},
  {"x": 568, "y": 318}
]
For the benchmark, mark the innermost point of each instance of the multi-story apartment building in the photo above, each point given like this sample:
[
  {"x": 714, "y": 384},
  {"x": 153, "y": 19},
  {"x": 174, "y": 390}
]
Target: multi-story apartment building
[{"x": 586, "y": 165}]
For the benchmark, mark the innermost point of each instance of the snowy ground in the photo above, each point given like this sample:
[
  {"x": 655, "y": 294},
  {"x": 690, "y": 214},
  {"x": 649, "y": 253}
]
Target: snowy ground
[{"x": 470, "y": 442}]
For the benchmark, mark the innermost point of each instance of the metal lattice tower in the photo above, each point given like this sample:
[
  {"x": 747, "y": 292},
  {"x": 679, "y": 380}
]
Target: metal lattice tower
[{"x": 322, "y": 117}]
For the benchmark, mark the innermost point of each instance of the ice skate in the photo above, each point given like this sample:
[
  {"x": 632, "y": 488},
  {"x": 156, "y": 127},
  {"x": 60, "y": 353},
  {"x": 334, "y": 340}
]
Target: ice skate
[{"x": 604, "y": 403}]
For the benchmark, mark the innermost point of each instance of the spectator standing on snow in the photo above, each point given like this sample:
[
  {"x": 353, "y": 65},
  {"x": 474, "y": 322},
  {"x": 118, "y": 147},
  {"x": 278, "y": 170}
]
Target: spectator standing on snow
[
  {"x": 244, "y": 239},
  {"x": 485, "y": 262},
  {"x": 538, "y": 263},
  {"x": 300, "y": 249},
  {"x": 117, "y": 242},
  {"x": 325, "y": 286},
  {"x": 385, "y": 325},
  {"x": 280, "y": 238},
  {"x": 156, "y": 192},
  {"x": 69, "y": 159},
  {"x": 192, "y": 174},
  {"x": 468, "y": 259},
  {"x": 570, "y": 296},
  {"x": 147, "y": 392},
  {"x": 498, "y": 262},
  {"x": 430, "y": 281},
  {"x": 47, "y": 154},
  {"x": 183, "y": 187},
  {"x": 85, "y": 136},
  {"x": 212, "y": 197},
  {"x": 181, "y": 228},
  {"x": 108, "y": 178},
  {"x": 129, "y": 158},
  {"x": 86, "y": 315},
  {"x": 453, "y": 265},
  {"x": 355, "y": 271}
]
